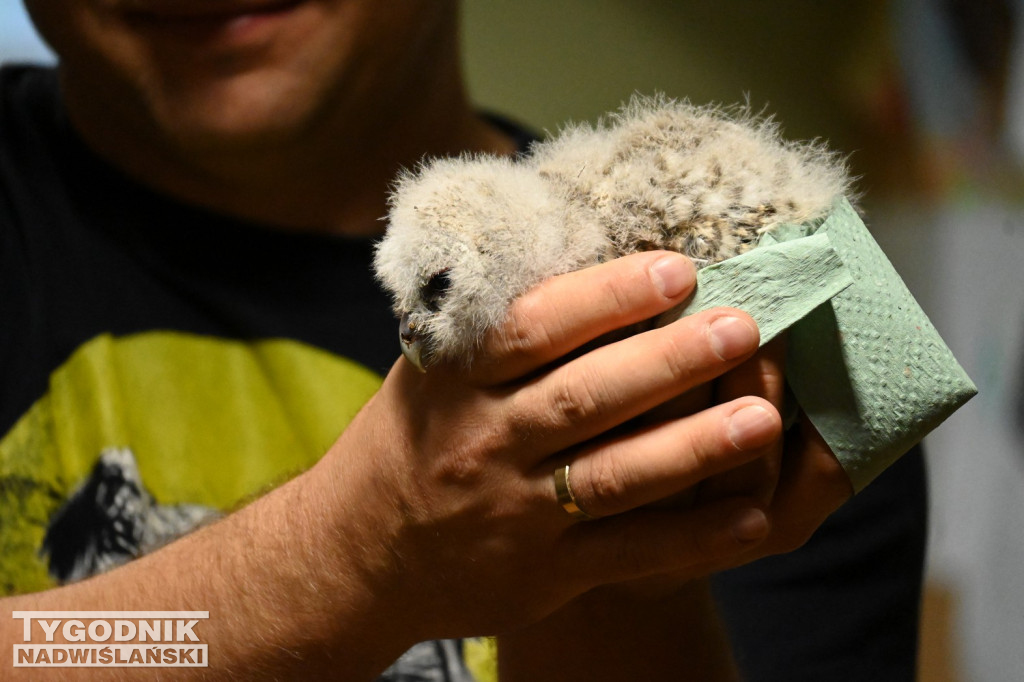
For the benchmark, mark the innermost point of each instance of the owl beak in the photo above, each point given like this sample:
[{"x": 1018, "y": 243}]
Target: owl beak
[{"x": 411, "y": 342}]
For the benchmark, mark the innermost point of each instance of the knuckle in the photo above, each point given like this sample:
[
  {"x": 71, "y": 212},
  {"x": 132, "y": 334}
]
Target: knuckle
[
  {"x": 677, "y": 355},
  {"x": 466, "y": 463},
  {"x": 630, "y": 292},
  {"x": 606, "y": 489},
  {"x": 576, "y": 398},
  {"x": 462, "y": 468},
  {"x": 618, "y": 298},
  {"x": 526, "y": 328},
  {"x": 523, "y": 423},
  {"x": 699, "y": 455},
  {"x": 701, "y": 460}
]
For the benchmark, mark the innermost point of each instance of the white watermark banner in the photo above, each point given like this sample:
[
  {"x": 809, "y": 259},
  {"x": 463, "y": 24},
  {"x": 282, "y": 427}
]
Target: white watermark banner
[{"x": 166, "y": 639}]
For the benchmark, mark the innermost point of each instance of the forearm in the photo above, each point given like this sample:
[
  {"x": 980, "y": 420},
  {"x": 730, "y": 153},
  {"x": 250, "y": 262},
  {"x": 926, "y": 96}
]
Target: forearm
[
  {"x": 614, "y": 633},
  {"x": 282, "y": 598}
]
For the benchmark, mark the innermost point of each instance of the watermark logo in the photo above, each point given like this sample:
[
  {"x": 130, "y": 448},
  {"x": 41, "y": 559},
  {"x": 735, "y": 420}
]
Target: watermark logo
[{"x": 100, "y": 639}]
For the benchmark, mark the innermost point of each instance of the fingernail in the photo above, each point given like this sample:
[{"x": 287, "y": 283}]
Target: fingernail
[
  {"x": 749, "y": 525},
  {"x": 731, "y": 337},
  {"x": 672, "y": 275},
  {"x": 752, "y": 427}
]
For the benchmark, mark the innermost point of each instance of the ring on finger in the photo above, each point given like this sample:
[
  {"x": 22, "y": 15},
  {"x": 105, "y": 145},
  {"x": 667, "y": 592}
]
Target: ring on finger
[{"x": 563, "y": 491}]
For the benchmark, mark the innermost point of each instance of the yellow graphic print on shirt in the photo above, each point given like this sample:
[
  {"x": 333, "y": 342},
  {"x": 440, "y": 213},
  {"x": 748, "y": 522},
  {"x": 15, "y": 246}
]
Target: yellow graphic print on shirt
[{"x": 208, "y": 422}]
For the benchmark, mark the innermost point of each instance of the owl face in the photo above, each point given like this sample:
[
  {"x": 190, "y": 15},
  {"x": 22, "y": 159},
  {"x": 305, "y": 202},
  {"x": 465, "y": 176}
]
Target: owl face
[
  {"x": 465, "y": 237},
  {"x": 414, "y": 324}
]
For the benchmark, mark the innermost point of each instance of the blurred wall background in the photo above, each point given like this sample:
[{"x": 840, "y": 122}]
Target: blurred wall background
[
  {"x": 927, "y": 97},
  {"x": 820, "y": 70}
]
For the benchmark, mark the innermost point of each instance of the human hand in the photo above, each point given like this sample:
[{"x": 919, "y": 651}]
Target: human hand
[
  {"x": 761, "y": 375},
  {"x": 445, "y": 478},
  {"x": 800, "y": 475},
  {"x": 667, "y": 623},
  {"x": 797, "y": 478}
]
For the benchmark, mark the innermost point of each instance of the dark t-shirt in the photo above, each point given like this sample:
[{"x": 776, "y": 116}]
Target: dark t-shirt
[{"x": 193, "y": 360}]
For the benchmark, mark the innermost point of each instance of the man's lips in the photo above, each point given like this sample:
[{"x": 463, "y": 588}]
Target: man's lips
[
  {"x": 210, "y": 23},
  {"x": 204, "y": 9}
]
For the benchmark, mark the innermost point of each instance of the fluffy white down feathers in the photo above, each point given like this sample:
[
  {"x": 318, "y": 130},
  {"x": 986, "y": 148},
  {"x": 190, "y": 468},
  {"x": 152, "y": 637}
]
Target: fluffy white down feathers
[{"x": 467, "y": 236}]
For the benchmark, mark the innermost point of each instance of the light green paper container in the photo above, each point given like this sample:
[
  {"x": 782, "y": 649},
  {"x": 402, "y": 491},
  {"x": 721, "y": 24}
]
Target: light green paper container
[{"x": 864, "y": 361}]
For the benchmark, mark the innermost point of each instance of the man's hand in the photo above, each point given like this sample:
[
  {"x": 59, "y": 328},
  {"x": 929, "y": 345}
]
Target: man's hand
[
  {"x": 805, "y": 480},
  {"x": 455, "y": 466},
  {"x": 665, "y": 625}
]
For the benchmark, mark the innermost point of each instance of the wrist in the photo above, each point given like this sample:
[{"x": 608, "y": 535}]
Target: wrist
[{"x": 336, "y": 582}]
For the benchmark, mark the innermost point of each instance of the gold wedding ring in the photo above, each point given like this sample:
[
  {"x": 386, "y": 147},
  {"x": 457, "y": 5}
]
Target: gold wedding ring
[{"x": 564, "y": 494}]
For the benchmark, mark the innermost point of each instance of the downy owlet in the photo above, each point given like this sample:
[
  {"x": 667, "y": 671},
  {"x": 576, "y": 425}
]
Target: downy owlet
[{"x": 468, "y": 235}]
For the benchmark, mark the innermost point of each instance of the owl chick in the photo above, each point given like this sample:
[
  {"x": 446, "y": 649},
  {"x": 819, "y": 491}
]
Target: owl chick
[{"x": 467, "y": 236}]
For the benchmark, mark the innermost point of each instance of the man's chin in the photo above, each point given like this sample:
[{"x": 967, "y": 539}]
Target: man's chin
[{"x": 248, "y": 119}]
